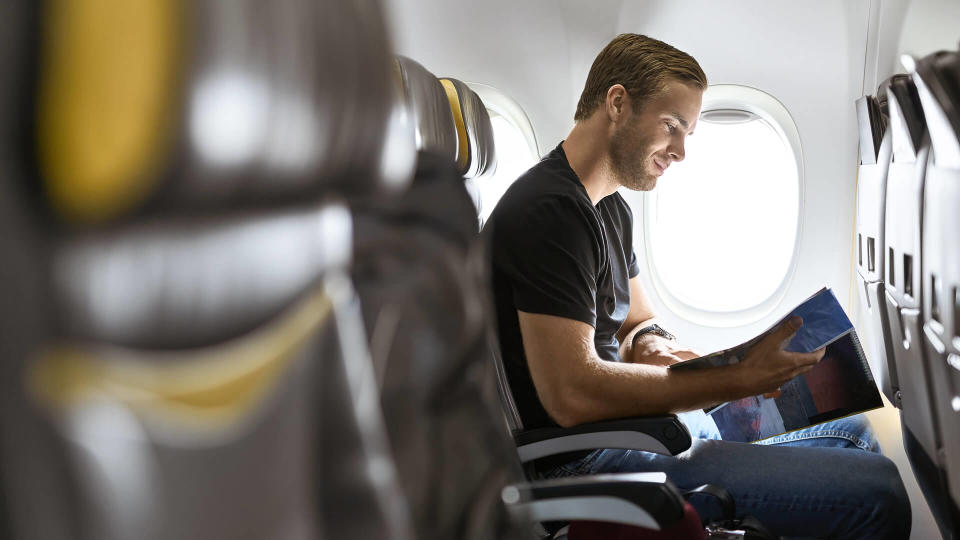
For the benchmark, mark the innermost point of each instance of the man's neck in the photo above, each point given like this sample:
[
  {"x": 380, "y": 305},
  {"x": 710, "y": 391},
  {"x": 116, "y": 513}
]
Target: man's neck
[{"x": 588, "y": 153}]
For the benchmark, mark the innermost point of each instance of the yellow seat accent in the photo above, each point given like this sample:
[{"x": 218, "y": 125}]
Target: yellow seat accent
[
  {"x": 463, "y": 150},
  {"x": 202, "y": 388},
  {"x": 108, "y": 84}
]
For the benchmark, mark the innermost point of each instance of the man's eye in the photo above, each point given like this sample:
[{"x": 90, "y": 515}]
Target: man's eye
[{"x": 671, "y": 128}]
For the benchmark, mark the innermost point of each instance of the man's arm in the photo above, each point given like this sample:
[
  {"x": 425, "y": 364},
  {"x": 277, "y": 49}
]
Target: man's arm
[
  {"x": 576, "y": 386},
  {"x": 651, "y": 348}
]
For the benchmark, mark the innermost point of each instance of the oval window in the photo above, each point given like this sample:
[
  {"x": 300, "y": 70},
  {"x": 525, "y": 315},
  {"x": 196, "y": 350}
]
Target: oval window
[
  {"x": 513, "y": 159},
  {"x": 515, "y": 145},
  {"x": 722, "y": 225}
]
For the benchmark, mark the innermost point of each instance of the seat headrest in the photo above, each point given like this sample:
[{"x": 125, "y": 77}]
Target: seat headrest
[
  {"x": 906, "y": 118},
  {"x": 937, "y": 77},
  {"x": 940, "y": 72},
  {"x": 427, "y": 104},
  {"x": 476, "y": 154},
  {"x": 211, "y": 103}
]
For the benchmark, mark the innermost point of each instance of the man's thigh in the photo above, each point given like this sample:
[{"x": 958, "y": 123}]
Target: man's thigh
[{"x": 797, "y": 491}]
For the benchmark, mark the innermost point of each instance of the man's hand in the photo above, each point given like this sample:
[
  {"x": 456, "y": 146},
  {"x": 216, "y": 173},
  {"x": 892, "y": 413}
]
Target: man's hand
[
  {"x": 767, "y": 366},
  {"x": 657, "y": 350}
]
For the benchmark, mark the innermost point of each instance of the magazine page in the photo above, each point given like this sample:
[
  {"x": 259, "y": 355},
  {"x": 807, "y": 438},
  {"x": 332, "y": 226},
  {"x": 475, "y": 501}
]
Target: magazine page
[
  {"x": 842, "y": 380},
  {"x": 823, "y": 321},
  {"x": 839, "y": 385}
]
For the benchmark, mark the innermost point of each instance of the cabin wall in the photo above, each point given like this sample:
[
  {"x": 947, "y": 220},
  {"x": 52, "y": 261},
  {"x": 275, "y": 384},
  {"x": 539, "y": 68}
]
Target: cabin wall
[{"x": 928, "y": 26}]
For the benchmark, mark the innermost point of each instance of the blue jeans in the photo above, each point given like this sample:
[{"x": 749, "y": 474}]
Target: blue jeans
[{"x": 826, "y": 481}]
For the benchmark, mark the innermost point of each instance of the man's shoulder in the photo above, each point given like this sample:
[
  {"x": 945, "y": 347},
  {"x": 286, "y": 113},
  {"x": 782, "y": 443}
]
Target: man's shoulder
[{"x": 548, "y": 183}]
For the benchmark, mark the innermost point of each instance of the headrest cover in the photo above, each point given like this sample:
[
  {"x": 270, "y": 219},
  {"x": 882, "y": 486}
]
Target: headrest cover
[
  {"x": 941, "y": 74},
  {"x": 476, "y": 155},
  {"x": 427, "y": 103},
  {"x": 906, "y": 118},
  {"x": 279, "y": 100}
]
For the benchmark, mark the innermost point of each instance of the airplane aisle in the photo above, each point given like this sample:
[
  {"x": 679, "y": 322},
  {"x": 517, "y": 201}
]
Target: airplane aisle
[{"x": 886, "y": 422}]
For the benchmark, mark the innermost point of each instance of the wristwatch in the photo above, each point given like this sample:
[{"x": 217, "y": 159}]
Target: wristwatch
[{"x": 652, "y": 329}]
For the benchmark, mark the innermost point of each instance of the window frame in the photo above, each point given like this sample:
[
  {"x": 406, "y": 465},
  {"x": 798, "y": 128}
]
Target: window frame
[
  {"x": 503, "y": 105},
  {"x": 768, "y": 108},
  {"x": 499, "y": 104}
]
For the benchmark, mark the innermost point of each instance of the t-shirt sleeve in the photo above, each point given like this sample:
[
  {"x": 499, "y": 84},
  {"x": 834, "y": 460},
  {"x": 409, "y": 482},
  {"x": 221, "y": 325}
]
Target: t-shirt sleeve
[{"x": 551, "y": 256}]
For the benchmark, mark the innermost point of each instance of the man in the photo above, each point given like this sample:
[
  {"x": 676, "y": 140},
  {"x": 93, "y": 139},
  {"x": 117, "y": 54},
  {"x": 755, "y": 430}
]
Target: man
[{"x": 579, "y": 339}]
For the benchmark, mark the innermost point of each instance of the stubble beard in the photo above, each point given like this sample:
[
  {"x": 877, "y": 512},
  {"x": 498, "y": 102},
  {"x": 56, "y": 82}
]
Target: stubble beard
[{"x": 629, "y": 163}]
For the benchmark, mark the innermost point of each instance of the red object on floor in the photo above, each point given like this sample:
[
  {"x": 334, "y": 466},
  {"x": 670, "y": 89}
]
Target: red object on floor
[{"x": 688, "y": 528}]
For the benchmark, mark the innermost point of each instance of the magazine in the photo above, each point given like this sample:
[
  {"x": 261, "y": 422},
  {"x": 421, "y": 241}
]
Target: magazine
[{"x": 839, "y": 385}]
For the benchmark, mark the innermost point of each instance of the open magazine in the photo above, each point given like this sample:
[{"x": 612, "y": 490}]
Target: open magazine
[{"x": 839, "y": 385}]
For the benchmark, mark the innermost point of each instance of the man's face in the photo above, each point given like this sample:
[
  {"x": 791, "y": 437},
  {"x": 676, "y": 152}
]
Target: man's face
[{"x": 645, "y": 143}]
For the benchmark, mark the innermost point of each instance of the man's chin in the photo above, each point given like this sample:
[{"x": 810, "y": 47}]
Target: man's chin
[{"x": 644, "y": 184}]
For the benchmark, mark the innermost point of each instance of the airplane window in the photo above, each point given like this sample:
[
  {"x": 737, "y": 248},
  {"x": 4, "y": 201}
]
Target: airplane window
[
  {"x": 513, "y": 159},
  {"x": 516, "y": 147},
  {"x": 722, "y": 225}
]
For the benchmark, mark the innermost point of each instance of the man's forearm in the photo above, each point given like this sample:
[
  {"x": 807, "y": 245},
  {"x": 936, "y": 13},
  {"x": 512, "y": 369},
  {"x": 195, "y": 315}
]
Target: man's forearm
[
  {"x": 617, "y": 390},
  {"x": 575, "y": 385},
  {"x": 626, "y": 342}
]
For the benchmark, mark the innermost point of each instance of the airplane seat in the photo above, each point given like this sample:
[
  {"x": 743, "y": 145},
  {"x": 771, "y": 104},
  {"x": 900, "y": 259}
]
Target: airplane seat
[
  {"x": 937, "y": 77},
  {"x": 902, "y": 280},
  {"x": 875, "y": 149},
  {"x": 418, "y": 274},
  {"x": 185, "y": 360},
  {"x": 476, "y": 152}
]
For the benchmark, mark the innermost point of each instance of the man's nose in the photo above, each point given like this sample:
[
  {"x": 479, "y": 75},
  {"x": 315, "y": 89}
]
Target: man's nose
[{"x": 676, "y": 150}]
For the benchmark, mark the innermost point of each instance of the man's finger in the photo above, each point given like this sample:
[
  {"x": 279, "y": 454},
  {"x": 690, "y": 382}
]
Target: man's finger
[
  {"x": 801, "y": 370},
  {"x": 808, "y": 359},
  {"x": 781, "y": 336}
]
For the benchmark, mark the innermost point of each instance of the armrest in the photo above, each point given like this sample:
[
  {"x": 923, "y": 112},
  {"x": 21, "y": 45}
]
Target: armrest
[
  {"x": 660, "y": 434},
  {"x": 646, "y": 500}
]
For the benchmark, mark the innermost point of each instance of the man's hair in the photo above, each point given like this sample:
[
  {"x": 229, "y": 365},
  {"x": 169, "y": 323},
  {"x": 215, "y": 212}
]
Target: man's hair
[{"x": 642, "y": 65}]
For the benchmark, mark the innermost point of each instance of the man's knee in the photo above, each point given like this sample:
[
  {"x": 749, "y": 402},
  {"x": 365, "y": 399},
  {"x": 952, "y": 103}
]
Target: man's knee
[{"x": 889, "y": 514}]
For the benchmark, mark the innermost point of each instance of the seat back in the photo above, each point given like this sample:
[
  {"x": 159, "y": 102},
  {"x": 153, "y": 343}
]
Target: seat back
[
  {"x": 476, "y": 159},
  {"x": 938, "y": 83},
  {"x": 419, "y": 275},
  {"x": 903, "y": 283},
  {"x": 190, "y": 366},
  {"x": 903, "y": 233},
  {"x": 875, "y": 150}
]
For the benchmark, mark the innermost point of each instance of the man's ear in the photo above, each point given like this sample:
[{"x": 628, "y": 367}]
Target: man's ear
[{"x": 617, "y": 100}]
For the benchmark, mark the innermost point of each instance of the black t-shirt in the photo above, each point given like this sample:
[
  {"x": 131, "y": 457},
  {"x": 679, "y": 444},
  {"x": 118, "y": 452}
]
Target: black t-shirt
[{"x": 555, "y": 253}]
